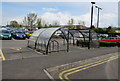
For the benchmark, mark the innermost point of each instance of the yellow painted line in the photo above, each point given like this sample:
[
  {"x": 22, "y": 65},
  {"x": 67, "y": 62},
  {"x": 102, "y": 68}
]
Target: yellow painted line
[
  {"x": 2, "y": 55},
  {"x": 67, "y": 74},
  {"x": 16, "y": 48},
  {"x": 60, "y": 75}
]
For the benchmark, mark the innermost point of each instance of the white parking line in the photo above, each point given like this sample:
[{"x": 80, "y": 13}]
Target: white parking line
[
  {"x": 13, "y": 39},
  {"x": 48, "y": 74},
  {"x": 37, "y": 52}
]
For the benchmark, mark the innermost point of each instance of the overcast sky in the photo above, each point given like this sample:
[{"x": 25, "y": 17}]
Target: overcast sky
[{"x": 61, "y": 11}]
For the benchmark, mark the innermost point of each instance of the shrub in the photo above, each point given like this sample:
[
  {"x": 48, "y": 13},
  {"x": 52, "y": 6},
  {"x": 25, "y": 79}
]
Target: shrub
[
  {"x": 82, "y": 43},
  {"x": 118, "y": 44}
]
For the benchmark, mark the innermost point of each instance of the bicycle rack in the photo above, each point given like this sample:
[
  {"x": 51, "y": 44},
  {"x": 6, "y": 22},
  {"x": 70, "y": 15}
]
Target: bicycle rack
[{"x": 52, "y": 45}]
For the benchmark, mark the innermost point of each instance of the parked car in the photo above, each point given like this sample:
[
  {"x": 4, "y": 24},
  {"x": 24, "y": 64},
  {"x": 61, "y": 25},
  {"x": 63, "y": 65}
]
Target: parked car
[
  {"x": 22, "y": 30},
  {"x": 29, "y": 33},
  {"x": 111, "y": 39},
  {"x": 78, "y": 35},
  {"x": 5, "y": 34},
  {"x": 117, "y": 36},
  {"x": 18, "y": 34},
  {"x": 102, "y": 35}
]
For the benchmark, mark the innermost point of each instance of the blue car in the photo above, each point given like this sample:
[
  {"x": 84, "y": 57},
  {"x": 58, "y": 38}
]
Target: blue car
[
  {"x": 5, "y": 34},
  {"x": 18, "y": 35}
]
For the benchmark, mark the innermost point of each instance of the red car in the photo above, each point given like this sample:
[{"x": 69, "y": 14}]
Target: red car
[{"x": 111, "y": 39}]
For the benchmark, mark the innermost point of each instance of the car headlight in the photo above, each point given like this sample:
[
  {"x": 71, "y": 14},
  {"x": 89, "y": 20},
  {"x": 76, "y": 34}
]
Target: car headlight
[
  {"x": 17, "y": 35},
  {"x": 23, "y": 35},
  {"x": 10, "y": 35},
  {"x": 1, "y": 35}
]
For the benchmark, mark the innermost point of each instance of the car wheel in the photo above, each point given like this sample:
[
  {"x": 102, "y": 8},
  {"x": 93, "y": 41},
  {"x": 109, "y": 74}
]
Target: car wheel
[
  {"x": 118, "y": 44},
  {"x": 10, "y": 38}
]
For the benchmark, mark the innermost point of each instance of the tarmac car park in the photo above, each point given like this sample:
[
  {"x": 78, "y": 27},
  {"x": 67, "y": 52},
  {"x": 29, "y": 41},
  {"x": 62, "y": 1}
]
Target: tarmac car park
[{"x": 27, "y": 63}]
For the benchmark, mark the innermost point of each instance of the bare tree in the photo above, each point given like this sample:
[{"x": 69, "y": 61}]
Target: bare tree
[
  {"x": 43, "y": 22},
  {"x": 79, "y": 22},
  {"x": 71, "y": 22},
  {"x": 30, "y": 19},
  {"x": 83, "y": 23},
  {"x": 39, "y": 23},
  {"x": 56, "y": 23},
  {"x": 25, "y": 22}
]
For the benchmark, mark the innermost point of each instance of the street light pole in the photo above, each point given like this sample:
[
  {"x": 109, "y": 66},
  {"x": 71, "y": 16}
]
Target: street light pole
[
  {"x": 92, "y": 13},
  {"x": 98, "y": 20},
  {"x": 91, "y": 25},
  {"x": 98, "y": 15}
]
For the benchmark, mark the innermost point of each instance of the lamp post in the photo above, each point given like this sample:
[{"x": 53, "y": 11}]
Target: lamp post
[
  {"x": 92, "y": 12},
  {"x": 91, "y": 24},
  {"x": 98, "y": 15},
  {"x": 98, "y": 21}
]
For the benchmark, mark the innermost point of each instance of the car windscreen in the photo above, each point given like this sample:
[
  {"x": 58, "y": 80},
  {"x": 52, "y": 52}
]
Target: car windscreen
[
  {"x": 4, "y": 31},
  {"x": 30, "y": 32},
  {"x": 18, "y": 32}
]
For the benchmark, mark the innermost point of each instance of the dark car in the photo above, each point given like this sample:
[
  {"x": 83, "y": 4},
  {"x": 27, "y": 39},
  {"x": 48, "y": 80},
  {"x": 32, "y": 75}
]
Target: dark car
[
  {"x": 22, "y": 30},
  {"x": 5, "y": 34},
  {"x": 18, "y": 34}
]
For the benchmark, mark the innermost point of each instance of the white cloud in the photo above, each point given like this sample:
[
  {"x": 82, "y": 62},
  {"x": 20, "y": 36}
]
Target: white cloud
[
  {"x": 49, "y": 9},
  {"x": 64, "y": 17},
  {"x": 6, "y": 20},
  {"x": 50, "y": 17},
  {"x": 106, "y": 19},
  {"x": 33, "y": 11}
]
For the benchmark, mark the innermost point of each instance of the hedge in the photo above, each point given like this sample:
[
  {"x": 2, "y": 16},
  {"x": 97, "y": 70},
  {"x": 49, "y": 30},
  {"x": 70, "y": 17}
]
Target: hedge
[
  {"x": 107, "y": 44},
  {"x": 82, "y": 43},
  {"x": 101, "y": 43}
]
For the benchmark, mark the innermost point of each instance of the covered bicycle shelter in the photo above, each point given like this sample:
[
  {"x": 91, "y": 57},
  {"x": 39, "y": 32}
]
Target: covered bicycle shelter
[
  {"x": 47, "y": 40},
  {"x": 85, "y": 36}
]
